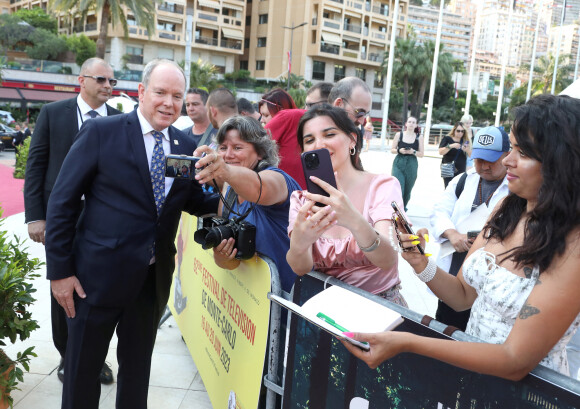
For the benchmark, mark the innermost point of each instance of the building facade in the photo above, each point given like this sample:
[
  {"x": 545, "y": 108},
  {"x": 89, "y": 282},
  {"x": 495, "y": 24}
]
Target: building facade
[{"x": 455, "y": 32}]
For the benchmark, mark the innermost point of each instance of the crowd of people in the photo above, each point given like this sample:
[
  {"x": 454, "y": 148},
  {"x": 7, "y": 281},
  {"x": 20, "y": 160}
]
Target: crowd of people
[{"x": 507, "y": 224}]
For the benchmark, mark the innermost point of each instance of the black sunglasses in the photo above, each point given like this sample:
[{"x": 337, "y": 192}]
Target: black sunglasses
[
  {"x": 102, "y": 80},
  {"x": 358, "y": 113}
]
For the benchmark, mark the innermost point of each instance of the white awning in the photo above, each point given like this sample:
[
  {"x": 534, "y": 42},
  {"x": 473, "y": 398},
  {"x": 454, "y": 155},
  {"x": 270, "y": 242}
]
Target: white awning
[
  {"x": 206, "y": 25},
  {"x": 233, "y": 33},
  {"x": 232, "y": 7},
  {"x": 330, "y": 38},
  {"x": 209, "y": 3}
]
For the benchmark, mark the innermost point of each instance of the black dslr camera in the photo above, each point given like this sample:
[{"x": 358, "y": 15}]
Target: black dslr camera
[{"x": 215, "y": 229}]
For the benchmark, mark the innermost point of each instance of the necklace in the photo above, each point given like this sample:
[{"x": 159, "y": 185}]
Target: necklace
[{"x": 480, "y": 193}]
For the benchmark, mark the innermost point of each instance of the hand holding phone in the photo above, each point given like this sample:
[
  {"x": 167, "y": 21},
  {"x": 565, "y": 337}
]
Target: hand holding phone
[
  {"x": 403, "y": 220},
  {"x": 317, "y": 163}
]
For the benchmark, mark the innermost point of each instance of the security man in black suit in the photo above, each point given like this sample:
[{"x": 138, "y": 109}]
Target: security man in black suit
[{"x": 55, "y": 130}]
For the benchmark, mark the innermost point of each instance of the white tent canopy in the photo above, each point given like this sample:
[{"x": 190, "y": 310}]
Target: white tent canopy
[{"x": 572, "y": 90}]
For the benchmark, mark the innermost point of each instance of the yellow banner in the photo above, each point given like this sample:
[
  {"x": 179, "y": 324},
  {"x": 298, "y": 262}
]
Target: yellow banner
[{"x": 223, "y": 316}]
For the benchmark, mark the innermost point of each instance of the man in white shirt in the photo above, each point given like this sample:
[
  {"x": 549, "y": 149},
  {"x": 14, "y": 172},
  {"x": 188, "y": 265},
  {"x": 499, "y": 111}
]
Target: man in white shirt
[
  {"x": 55, "y": 130},
  {"x": 464, "y": 207}
]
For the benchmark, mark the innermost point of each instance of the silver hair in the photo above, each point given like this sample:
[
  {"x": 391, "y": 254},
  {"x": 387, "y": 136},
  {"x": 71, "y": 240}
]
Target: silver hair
[
  {"x": 466, "y": 118},
  {"x": 344, "y": 88},
  {"x": 88, "y": 64},
  {"x": 151, "y": 65},
  {"x": 251, "y": 131}
]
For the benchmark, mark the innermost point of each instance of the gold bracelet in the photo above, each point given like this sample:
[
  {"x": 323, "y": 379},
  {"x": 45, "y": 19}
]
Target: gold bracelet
[{"x": 372, "y": 246}]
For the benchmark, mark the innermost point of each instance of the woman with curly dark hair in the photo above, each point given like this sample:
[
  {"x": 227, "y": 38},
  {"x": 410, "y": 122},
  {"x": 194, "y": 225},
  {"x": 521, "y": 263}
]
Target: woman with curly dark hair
[
  {"x": 273, "y": 102},
  {"x": 521, "y": 277}
]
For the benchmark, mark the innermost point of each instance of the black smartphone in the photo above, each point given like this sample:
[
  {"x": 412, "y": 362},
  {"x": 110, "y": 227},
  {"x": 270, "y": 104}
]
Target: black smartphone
[
  {"x": 180, "y": 166},
  {"x": 317, "y": 163},
  {"x": 473, "y": 234},
  {"x": 405, "y": 223}
]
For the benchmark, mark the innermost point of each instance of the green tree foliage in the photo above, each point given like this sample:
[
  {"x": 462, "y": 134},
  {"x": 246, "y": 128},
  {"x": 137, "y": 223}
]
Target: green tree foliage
[
  {"x": 21, "y": 158},
  {"x": 203, "y": 75},
  {"x": 82, "y": 46},
  {"x": 544, "y": 72},
  {"x": 112, "y": 11},
  {"x": 14, "y": 33},
  {"x": 406, "y": 58},
  {"x": 38, "y": 18},
  {"x": 298, "y": 95},
  {"x": 45, "y": 45}
]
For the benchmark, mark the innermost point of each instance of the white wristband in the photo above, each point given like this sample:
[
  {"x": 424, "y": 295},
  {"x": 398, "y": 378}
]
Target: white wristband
[{"x": 429, "y": 272}]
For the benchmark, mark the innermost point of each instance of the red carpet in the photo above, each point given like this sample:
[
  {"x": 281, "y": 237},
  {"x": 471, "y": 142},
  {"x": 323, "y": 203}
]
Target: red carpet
[{"x": 11, "y": 196}]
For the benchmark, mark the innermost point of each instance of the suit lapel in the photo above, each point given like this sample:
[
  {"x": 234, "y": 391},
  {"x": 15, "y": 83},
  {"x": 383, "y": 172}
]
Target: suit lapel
[
  {"x": 135, "y": 136},
  {"x": 72, "y": 120}
]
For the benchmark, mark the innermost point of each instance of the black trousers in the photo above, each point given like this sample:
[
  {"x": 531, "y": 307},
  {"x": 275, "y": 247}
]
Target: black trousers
[
  {"x": 89, "y": 335},
  {"x": 59, "y": 326},
  {"x": 445, "y": 313}
]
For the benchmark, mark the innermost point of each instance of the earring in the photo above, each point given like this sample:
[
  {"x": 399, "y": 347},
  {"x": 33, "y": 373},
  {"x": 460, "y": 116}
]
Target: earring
[{"x": 352, "y": 151}]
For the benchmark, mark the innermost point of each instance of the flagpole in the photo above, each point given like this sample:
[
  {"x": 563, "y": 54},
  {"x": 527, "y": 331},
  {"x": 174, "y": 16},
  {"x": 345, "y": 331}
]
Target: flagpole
[
  {"x": 387, "y": 84},
  {"x": 506, "y": 52},
  {"x": 434, "y": 74},
  {"x": 555, "y": 73},
  {"x": 473, "y": 54},
  {"x": 530, "y": 80}
]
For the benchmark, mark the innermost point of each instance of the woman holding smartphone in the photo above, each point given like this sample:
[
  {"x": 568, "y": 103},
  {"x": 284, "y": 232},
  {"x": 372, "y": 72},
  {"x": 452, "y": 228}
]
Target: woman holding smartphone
[
  {"x": 520, "y": 277},
  {"x": 349, "y": 236},
  {"x": 408, "y": 146},
  {"x": 455, "y": 147}
]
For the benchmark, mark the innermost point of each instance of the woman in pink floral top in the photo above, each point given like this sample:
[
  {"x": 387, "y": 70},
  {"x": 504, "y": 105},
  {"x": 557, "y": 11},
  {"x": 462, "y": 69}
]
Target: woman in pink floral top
[{"x": 349, "y": 237}]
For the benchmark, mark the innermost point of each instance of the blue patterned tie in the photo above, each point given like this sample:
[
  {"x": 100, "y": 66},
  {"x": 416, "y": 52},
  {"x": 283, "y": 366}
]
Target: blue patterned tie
[
  {"x": 157, "y": 171},
  {"x": 92, "y": 113}
]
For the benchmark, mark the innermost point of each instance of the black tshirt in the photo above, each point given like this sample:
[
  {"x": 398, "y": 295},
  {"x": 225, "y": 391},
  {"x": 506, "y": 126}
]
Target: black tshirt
[{"x": 449, "y": 156}]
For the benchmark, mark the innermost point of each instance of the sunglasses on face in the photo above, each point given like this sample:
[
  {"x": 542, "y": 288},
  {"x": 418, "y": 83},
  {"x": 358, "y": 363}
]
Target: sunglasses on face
[
  {"x": 460, "y": 130},
  {"x": 102, "y": 80},
  {"x": 358, "y": 113}
]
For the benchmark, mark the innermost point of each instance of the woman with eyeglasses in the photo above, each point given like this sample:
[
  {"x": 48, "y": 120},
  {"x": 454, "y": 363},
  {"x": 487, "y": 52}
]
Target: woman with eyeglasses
[
  {"x": 273, "y": 102},
  {"x": 455, "y": 147},
  {"x": 348, "y": 238}
]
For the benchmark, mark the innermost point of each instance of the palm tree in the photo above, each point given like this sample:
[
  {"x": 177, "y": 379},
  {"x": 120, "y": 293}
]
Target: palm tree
[
  {"x": 112, "y": 10},
  {"x": 545, "y": 67},
  {"x": 203, "y": 75},
  {"x": 404, "y": 66},
  {"x": 423, "y": 70}
]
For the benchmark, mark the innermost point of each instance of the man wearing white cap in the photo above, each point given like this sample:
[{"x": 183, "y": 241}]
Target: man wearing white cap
[{"x": 465, "y": 206}]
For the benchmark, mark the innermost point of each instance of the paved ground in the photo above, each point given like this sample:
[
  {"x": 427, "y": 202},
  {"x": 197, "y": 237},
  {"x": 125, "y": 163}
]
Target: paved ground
[{"x": 175, "y": 381}]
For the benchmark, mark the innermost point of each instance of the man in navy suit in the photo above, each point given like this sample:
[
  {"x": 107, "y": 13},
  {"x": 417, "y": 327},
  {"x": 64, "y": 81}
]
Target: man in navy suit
[
  {"x": 114, "y": 270},
  {"x": 56, "y": 126}
]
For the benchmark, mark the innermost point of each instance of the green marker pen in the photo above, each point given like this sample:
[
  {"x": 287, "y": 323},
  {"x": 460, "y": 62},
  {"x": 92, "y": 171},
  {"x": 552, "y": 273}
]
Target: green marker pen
[{"x": 330, "y": 321}]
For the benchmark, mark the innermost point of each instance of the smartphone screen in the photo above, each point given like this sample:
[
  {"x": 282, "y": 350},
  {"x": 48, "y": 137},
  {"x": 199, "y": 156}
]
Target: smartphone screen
[
  {"x": 180, "y": 166},
  {"x": 317, "y": 163}
]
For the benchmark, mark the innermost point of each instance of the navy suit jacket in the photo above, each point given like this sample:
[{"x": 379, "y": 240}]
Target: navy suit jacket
[{"x": 110, "y": 250}]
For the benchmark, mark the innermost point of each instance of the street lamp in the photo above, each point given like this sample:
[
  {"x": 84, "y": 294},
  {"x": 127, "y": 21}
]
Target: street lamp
[{"x": 292, "y": 28}]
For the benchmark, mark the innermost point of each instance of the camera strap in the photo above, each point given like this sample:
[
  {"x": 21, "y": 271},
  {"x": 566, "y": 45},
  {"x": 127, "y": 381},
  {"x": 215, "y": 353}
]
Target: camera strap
[{"x": 229, "y": 201}]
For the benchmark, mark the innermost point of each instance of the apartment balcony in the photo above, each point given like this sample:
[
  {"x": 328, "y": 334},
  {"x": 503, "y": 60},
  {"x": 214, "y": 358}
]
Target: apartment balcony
[
  {"x": 137, "y": 31},
  {"x": 206, "y": 41},
  {"x": 376, "y": 57},
  {"x": 331, "y": 24},
  {"x": 134, "y": 59},
  {"x": 168, "y": 35},
  {"x": 208, "y": 17},
  {"x": 350, "y": 53},
  {"x": 231, "y": 44},
  {"x": 330, "y": 49},
  {"x": 79, "y": 28},
  {"x": 338, "y": 1},
  {"x": 171, "y": 8},
  {"x": 383, "y": 11},
  {"x": 379, "y": 35},
  {"x": 353, "y": 28}
]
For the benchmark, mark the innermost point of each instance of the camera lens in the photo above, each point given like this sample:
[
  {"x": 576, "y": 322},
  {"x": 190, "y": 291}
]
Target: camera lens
[
  {"x": 216, "y": 235},
  {"x": 312, "y": 161}
]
